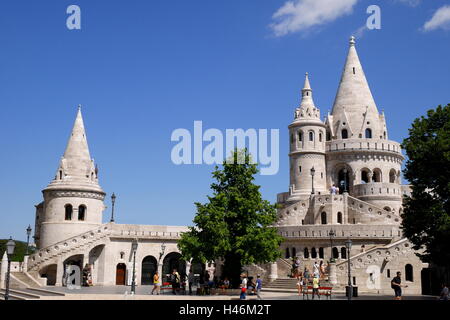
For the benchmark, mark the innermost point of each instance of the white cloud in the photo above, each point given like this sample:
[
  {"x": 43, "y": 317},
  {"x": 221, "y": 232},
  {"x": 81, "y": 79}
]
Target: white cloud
[
  {"x": 440, "y": 19},
  {"x": 302, "y": 15},
  {"x": 359, "y": 33}
]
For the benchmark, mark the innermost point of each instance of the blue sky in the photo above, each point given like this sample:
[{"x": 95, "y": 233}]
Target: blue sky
[{"x": 142, "y": 69}]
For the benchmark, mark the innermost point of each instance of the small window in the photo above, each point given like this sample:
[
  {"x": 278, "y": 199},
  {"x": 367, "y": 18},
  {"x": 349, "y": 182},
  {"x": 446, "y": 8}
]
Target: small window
[
  {"x": 294, "y": 252},
  {"x": 68, "y": 212},
  {"x": 323, "y": 217},
  {"x": 306, "y": 253},
  {"x": 354, "y": 71},
  {"x": 368, "y": 133},
  {"x": 344, "y": 134},
  {"x": 311, "y": 136},
  {"x": 313, "y": 253},
  {"x": 60, "y": 174},
  {"x": 320, "y": 137},
  {"x": 122, "y": 255},
  {"x": 300, "y": 169},
  {"x": 300, "y": 136},
  {"x": 344, "y": 253},
  {"x": 409, "y": 273},
  {"x": 339, "y": 217},
  {"x": 321, "y": 255},
  {"x": 328, "y": 136},
  {"x": 335, "y": 253},
  {"x": 388, "y": 273},
  {"x": 81, "y": 212},
  {"x": 288, "y": 254}
]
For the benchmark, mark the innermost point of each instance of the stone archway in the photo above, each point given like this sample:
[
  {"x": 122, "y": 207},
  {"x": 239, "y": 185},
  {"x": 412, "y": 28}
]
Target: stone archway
[
  {"x": 173, "y": 261},
  {"x": 149, "y": 267},
  {"x": 49, "y": 272}
]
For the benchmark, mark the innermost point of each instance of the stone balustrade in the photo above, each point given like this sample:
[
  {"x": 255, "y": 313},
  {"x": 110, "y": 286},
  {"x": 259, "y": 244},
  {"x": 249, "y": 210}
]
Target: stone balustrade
[
  {"x": 341, "y": 231},
  {"x": 367, "y": 145},
  {"x": 377, "y": 189}
]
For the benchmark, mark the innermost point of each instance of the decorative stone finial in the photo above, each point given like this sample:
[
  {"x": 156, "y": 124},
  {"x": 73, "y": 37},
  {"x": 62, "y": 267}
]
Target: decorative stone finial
[{"x": 352, "y": 41}]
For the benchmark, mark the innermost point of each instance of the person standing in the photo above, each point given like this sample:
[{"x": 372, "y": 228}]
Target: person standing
[
  {"x": 243, "y": 287},
  {"x": 258, "y": 286},
  {"x": 316, "y": 287},
  {"x": 175, "y": 281},
  {"x": 396, "y": 284},
  {"x": 444, "y": 293},
  {"x": 190, "y": 280},
  {"x": 156, "y": 284}
]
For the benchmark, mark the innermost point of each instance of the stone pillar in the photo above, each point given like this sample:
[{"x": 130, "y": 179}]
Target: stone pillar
[
  {"x": 25, "y": 264},
  {"x": 160, "y": 266},
  {"x": 59, "y": 272},
  {"x": 332, "y": 273},
  {"x": 273, "y": 272},
  {"x": 3, "y": 270}
]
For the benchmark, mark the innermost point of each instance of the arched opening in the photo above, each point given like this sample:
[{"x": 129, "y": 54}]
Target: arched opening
[
  {"x": 320, "y": 136},
  {"x": 323, "y": 218},
  {"x": 313, "y": 253},
  {"x": 149, "y": 267},
  {"x": 288, "y": 253},
  {"x": 335, "y": 253},
  {"x": 384, "y": 135},
  {"x": 311, "y": 136},
  {"x": 321, "y": 255},
  {"x": 339, "y": 217},
  {"x": 300, "y": 136},
  {"x": 121, "y": 270},
  {"x": 306, "y": 253},
  {"x": 409, "y": 273},
  {"x": 173, "y": 261},
  {"x": 60, "y": 175},
  {"x": 294, "y": 252},
  {"x": 344, "y": 253},
  {"x": 49, "y": 272},
  {"x": 344, "y": 134},
  {"x": 75, "y": 260},
  {"x": 392, "y": 176},
  {"x": 368, "y": 133},
  {"x": 343, "y": 180},
  {"x": 376, "y": 175},
  {"x": 364, "y": 176},
  {"x": 328, "y": 136},
  {"x": 68, "y": 212},
  {"x": 81, "y": 212}
]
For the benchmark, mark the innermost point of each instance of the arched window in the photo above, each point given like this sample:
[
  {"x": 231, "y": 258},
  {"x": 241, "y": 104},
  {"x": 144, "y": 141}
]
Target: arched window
[
  {"x": 409, "y": 273},
  {"x": 368, "y": 133},
  {"x": 384, "y": 135},
  {"x": 323, "y": 217},
  {"x": 60, "y": 174},
  {"x": 320, "y": 136},
  {"x": 392, "y": 176},
  {"x": 339, "y": 217},
  {"x": 376, "y": 175},
  {"x": 364, "y": 176},
  {"x": 313, "y": 253},
  {"x": 344, "y": 134},
  {"x": 321, "y": 253},
  {"x": 300, "y": 136},
  {"x": 344, "y": 253},
  {"x": 311, "y": 136},
  {"x": 288, "y": 254},
  {"x": 306, "y": 253},
  {"x": 335, "y": 253},
  {"x": 68, "y": 212},
  {"x": 81, "y": 212},
  {"x": 328, "y": 136},
  {"x": 122, "y": 255},
  {"x": 294, "y": 252}
]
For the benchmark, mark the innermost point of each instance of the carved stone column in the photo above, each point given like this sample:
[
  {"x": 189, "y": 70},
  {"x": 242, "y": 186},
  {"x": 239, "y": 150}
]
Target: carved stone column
[
  {"x": 332, "y": 273},
  {"x": 273, "y": 272}
]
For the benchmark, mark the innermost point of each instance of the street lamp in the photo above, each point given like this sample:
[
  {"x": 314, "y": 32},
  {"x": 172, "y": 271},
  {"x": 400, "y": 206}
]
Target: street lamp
[
  {"x": 345, "y": 179},
  {"x": 332, "y": 234},
  {"x": 134, "y": 246},
  {"x": 28, "y": 238},
  {"x": 313, "y": 171},
  {"x": 113, "y": 201},
  {"x": 348, "y": 245},
  {"x": 10, "y": 246}
]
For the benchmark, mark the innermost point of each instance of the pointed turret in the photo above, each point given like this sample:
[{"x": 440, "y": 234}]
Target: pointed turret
[
  {"x": 76, "y": 168},
  {"x": 354, "y": 108},
  {"x": 307, "y": 110}
]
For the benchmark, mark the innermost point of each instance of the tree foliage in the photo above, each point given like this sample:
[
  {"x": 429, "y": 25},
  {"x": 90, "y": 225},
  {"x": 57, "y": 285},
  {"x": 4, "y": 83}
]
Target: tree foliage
[
  {"x": 426, "y": 217},
  {"x": 235, "y": 225}
]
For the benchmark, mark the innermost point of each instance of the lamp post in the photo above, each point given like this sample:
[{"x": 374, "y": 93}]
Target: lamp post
[
  {"x": 28, "y": 238},
  {"x": 10, "y": 246},
  {"x": 113, "y": 201},
  {"x": 345, "y": 179},
  {"x": 348, "y": 245},
  {"x": 134, "y": 246},
  {"x": 313, "y": 171},
  {"x": 332, "y": 234}
]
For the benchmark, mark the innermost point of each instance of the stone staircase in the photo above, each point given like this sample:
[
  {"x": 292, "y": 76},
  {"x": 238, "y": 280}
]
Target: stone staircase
[{"x": 370, "y": 212}]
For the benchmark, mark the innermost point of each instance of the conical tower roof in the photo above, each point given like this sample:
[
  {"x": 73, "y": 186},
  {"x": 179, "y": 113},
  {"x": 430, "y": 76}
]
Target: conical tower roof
[
  {"x": 76, "y": 169},
  {"x": 307, "y": 110},
  {"x": 354, "y": 105}
]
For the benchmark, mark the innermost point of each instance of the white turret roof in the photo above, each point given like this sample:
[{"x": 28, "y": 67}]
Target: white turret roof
[{"x": 307, "y": 110}]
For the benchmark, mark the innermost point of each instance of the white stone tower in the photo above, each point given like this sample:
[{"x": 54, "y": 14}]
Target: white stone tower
[
  {"x": 307, "y": 135},
  {"x": 73, "y": 201}
]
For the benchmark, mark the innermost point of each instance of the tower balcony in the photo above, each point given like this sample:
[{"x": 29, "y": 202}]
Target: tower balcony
[
  {"x": 377, "y": 190},
  {"x": 371, "y": 145}
]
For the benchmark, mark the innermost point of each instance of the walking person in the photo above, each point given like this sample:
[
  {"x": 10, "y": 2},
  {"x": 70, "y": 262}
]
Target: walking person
[
  {"x": 396, "y": 284},
  {"x": 175, "y": 279},
  {"x": 190, "y": 280},
  {"x": 243, "y": 287},
  {"x": 156, "y": 284},
  {"x": 258, "y": 287},
  {"x": 316, "y": 287},
  {"x": 444, "y": 293}
]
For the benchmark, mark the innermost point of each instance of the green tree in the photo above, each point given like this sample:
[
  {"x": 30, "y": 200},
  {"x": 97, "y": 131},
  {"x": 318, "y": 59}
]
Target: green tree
[
  {"x": 426, "y": 217},
  {"x": 235, "y": 225}
]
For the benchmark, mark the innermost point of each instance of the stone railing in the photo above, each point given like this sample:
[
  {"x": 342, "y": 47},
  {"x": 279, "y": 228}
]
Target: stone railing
[
  {"x": 374, "y": 189},
  {"x": 67, "y": 245},
  {"x": 341, "y": 231},
  {"x": 366, "y": 145},
  {"x": 147, "y": 232},
  {"x": 373, "y": 212}
]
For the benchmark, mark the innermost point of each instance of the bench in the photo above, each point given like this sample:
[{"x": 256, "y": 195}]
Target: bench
[{"x": 323, "y": 291}]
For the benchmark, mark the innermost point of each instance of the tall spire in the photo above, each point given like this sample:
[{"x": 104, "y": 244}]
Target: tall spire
[
  {"x": 76, "y": 167},
  {"x": 307, "y": 110},
  {"x": 354, "y": 103}
]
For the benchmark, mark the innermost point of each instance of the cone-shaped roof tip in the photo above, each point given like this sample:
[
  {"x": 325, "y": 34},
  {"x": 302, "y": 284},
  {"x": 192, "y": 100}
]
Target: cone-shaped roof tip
[
  {"x": 352, "y": 40},
  {"x": 307, "y": 85}
]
